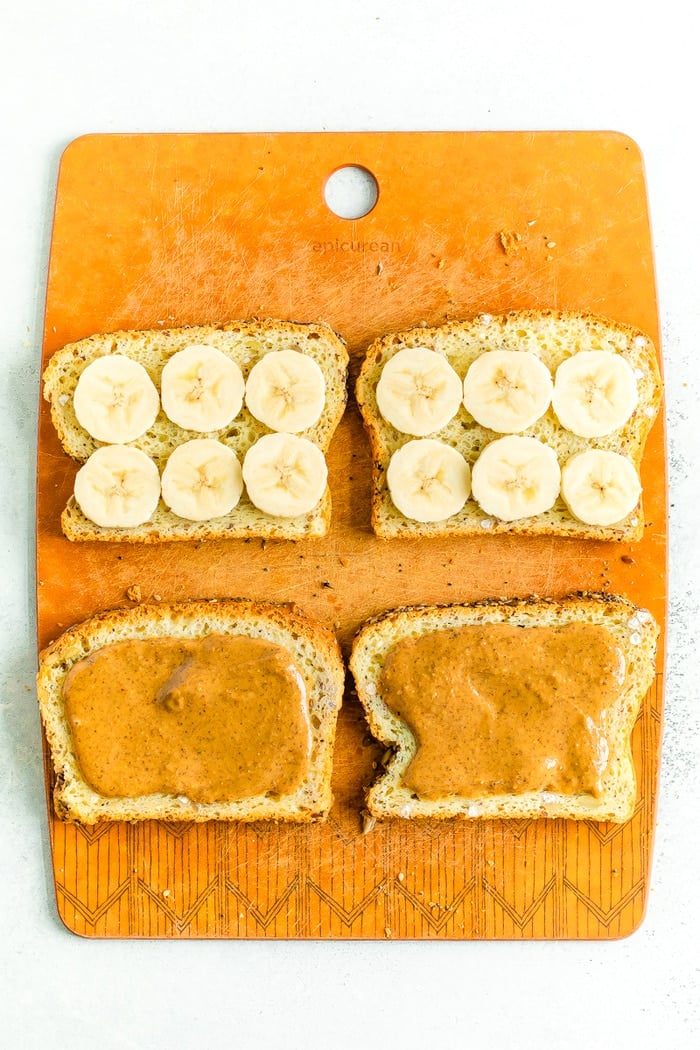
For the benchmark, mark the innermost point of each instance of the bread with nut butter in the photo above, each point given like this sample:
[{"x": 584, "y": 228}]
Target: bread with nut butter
[
  {"x": 506, "y": 708},
  {"x": 533, "y": 422},
  {"x": 277, "y": 387},
  {"x": 196, "y": 710}
]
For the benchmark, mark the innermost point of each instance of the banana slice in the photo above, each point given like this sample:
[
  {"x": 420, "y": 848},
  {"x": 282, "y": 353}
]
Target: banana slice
[
  {"x": 600, "y": 487},
  {"x": 285, "y": 475},
  {"x": 516, "y": 477},
  {"x": 595, "y": 392},
  {"x": 202, "y": 480},
  {"x": 286, "y": 391},
  {"x": 115, "y": 399},
  {"x": 201, "y": 388},
  {"x": 418, "y": 391},
  {"x": 507, "y": 390},
  {"x": 428, "y": 480},
  {"x": 118, "y": 487}
]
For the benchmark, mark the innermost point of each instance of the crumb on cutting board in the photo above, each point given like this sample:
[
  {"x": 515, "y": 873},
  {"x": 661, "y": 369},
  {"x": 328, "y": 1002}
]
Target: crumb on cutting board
[{"x": 510, "y": 241}]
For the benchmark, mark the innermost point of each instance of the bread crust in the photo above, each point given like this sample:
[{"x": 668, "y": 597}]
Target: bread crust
[
  {"x": 243, "y": 522},
  {"x": 245, "y": 342},
  {"x": 635, "y": 632},
  {"x": 552, "y": 335},
  {"x": 314, "y": 647}
]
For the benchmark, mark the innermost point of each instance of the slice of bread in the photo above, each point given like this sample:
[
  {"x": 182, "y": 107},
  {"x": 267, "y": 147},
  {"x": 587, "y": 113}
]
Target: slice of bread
[
  {"x": 635, "y": 633},
  {"x": 552, "y": 337},
  {"x": 314, "y": 650},
  {"x": 245, "y": 342}
]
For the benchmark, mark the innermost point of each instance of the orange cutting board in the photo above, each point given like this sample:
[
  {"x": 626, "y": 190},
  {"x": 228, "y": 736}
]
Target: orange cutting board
[{"x": 168, "y": 230}]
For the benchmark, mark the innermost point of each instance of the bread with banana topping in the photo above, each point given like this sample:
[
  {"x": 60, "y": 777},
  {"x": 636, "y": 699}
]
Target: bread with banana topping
[
  {"x": 245, "y": 343},
  {"x": 441, "y": 495}
]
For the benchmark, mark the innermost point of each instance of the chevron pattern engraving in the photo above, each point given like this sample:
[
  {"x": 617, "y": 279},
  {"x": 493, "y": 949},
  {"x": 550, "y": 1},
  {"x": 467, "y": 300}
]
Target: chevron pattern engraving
[
  {"x": 263, "y": 919},
  {"x": 435, "y": 914},
  {"x": 520, "y": 918},
  {"x": 91, "y": 916},
  {"x": 607, "y": 916},
  {"x": 348, "y": 916},
  {"x": 160, "y": 902}
]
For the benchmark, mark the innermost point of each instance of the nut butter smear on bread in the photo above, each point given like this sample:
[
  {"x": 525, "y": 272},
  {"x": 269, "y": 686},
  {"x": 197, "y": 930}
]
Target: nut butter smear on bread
[
  {"x": 197, "y": 710},
  {"x": 519, "y": 708}
]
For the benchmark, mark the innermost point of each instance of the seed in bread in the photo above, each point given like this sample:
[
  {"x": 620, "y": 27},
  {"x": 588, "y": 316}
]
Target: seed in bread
[
  {"x": 197, "y": 380},
  {"x": 499, "y": 709},
  {"x": 257, "y": 746},
  {"x": 602, "y": 390}
]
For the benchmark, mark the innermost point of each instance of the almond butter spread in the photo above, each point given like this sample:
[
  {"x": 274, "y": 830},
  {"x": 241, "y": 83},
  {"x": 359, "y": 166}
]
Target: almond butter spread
[
  {"x": 214, "y": 718},
  {"x": 500, "y": 709}
]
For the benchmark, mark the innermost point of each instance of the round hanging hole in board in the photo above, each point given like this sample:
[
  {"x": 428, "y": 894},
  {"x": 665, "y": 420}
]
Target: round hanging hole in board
[{"x": 351, "y": 191}]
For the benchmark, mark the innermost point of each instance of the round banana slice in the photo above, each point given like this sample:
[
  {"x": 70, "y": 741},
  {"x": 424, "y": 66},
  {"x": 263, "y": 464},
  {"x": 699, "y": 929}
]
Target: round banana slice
[
  {"x": 286, "y": 391},
  {"x": 595, "y": 393},
  {"x": 428, "y": 480},
  {"x": 285, "y": 475},
  {"x": 600, "y": 487},
  {"x": 202, "y": 480},
  {"x": 201, "y": 388},
  {"x": 418, "y": 391},
  {"x": 115, "y": 399},
  {"x": 507, "y": 390},
  {"x": 118, "y": 487},
  {"x": 516, "y": 477}
]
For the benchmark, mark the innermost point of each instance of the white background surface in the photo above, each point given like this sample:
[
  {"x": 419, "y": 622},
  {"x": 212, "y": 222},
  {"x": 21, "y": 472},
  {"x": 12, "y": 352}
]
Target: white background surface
[{"x": 69, "y": 68}]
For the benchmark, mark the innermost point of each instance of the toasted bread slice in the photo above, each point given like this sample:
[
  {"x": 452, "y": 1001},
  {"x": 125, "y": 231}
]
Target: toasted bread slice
[
  {"x": 313, "y": 649},
  {"x": 245, "y": 342},
  {"x": 634, "y": 633},
  {"x": 552, "y": 337}
]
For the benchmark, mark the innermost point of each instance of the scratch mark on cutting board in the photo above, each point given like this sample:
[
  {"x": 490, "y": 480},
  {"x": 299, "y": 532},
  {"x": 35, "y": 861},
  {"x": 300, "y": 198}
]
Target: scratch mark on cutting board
[
  {"x": 192, "y": 258},
  {"x": 621, "y": 189},
  {"x": 548, "y": 585}
]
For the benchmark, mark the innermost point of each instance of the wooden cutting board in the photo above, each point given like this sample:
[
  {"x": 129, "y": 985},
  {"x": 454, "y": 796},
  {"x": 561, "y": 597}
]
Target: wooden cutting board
[{"x": 167, "y": 230}]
